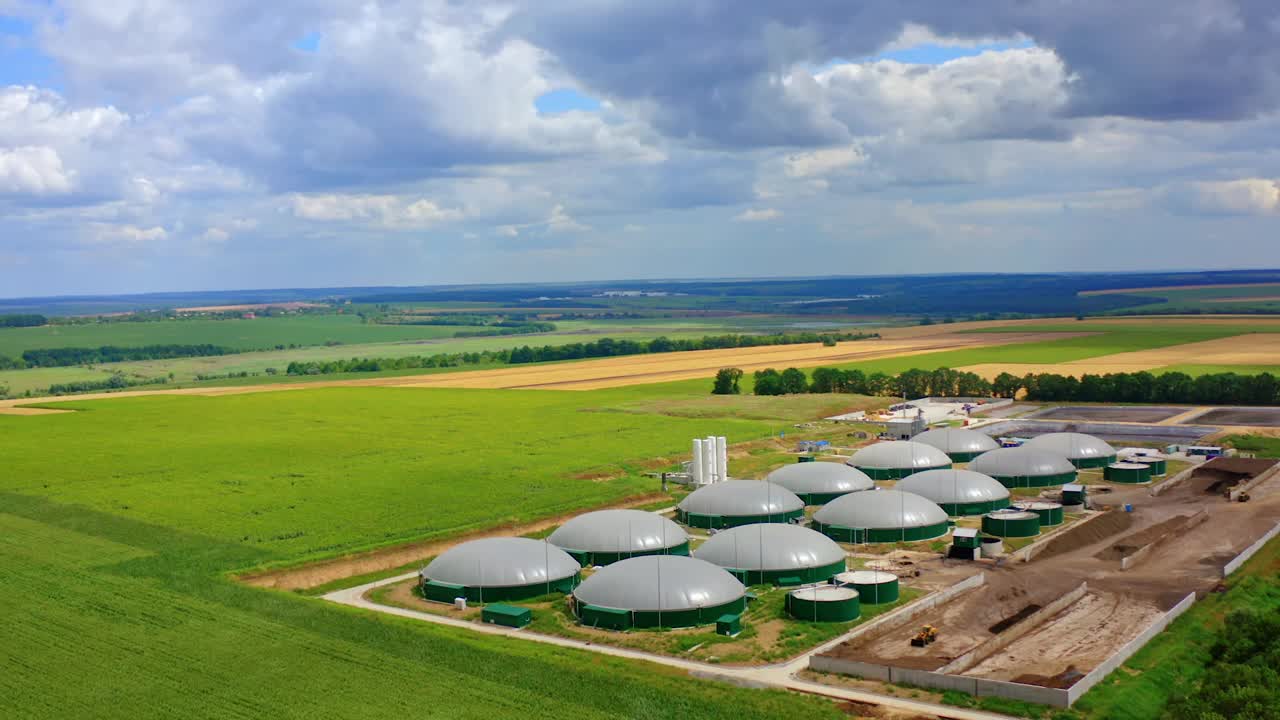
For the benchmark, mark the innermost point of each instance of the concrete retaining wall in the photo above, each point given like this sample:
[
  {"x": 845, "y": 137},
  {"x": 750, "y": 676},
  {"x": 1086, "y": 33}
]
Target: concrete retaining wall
[
  {"x": 1129, "y": 561},
  {"x": 1118, "y": 657},
  {"x": 1250, "y": 551},
  {"x": 1261, "y": 478},
  {"x": 994, "y": 644},
  {"x": 979, "y": 687}
]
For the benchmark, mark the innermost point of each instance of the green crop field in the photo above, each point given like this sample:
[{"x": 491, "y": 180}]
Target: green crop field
[
  {"x": 119, "y": 524},
  {"x": 1247, "y": 298}
]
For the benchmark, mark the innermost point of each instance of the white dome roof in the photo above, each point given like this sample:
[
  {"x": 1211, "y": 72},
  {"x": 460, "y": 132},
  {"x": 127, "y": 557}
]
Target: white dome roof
[
  {"x": 881, "y": 509},
  {"x": 954, "y": 486},
  {"x": 738, "y": 498},
  {"x": 769, "y": 546},
  {"x": 820, "y": 477},
  {"x": 686, "y": 583},
  {"x": 1023, "y": 461},
  {"x": 1074, "y": 446},
  {"x": 957, "y": 440},
  {"x": 899, "y": 454},
  {"x": 501, "y": 562},
  {"x": 618, "y": 531}
]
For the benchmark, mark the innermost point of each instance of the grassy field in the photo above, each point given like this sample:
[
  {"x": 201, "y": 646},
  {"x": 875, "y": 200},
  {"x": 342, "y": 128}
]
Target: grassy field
[
  {"x": 1245, "y": 298},
  {"x": 38, "y": 379},
  {"x": 120, "y": 523}
]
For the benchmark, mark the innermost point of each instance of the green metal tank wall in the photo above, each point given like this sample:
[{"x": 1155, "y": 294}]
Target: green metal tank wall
[
  {"x": 1014, "y": 527},
  {"x": 878, "y": 592},
  {"x": 614, "y": 620},
  {"x": 442, "y": 592},
  {"x": 896, "y": 473},
  {"x": 1129, "y": 476},
  {"x": 823, "y": 610},
  {"x": 1093, "y": 462},
  {"x": 793, "y": 576},
  {"x": 882, "y": 535},
  {"x": 1050, "y": 513},
  {"x": 1029, "y": 481},
  {"x": 727, "y": 521},
  {"x": 975, "y": 508},
  {"x": 1159, "y": 467},
  {"x": 605, "y": 558}
]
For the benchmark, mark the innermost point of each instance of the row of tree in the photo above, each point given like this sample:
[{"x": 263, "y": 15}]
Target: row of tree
[
  {"x": 118, "y": 381},
  {"x": 27, "y": 320},
  {"x": 1139, "y": 387},
  {"x": 65, "y": 357}
]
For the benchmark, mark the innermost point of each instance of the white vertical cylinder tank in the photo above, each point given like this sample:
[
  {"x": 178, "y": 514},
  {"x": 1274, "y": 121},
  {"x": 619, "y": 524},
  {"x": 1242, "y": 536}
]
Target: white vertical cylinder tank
[
  {"x": 722, "y": 457},
  {"x": 695, "y": 467},
  {"x": 709, "y": 452}
]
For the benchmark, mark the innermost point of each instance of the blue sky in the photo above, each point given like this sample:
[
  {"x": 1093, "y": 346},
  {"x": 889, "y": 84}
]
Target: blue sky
[{"x": 320, "y": 142}]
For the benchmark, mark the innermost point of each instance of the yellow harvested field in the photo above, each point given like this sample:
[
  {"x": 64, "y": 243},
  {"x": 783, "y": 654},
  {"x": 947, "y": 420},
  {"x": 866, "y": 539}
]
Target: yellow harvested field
[
  {"x": 644, "y": 369},
  {"x": 1250, "y": 349}
]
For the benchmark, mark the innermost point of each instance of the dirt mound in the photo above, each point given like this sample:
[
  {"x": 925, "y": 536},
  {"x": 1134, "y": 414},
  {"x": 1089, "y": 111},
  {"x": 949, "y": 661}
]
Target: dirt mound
[
  {"x": 1013, "y": 619},
  {"x": 1130, "y": 544},
  {"x": 1061, "y": 681},
  {"x": 1110, "y": 523}
]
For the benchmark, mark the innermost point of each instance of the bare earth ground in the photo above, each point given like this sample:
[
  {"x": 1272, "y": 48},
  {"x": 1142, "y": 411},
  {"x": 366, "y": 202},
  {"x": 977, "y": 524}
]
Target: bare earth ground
[
  {"x": 1240, "y": 416},
  {"x": 1134, "y": 414},
  {"x": 1250, "y": 349}
]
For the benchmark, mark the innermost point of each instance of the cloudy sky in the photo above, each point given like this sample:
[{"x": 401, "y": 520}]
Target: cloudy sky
[{"x": 167, "y": 145}]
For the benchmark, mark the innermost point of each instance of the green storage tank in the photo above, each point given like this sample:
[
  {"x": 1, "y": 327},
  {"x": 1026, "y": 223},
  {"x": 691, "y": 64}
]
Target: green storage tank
[
  {"x": 729, "y": 625},
  {"x": 1050, "y": 512},
  {"x": 1127, "y": 473},
  {"x": 1015, "y": 524},
  {"x": 874, "y": 587},
  {"x": 824, "y": 603},
  {"x": 805, "y": 458},
  {"x": 1159, "y": 466},
  {"x": 1074, "y": 494},
  {"x": 508, "y": 615}
]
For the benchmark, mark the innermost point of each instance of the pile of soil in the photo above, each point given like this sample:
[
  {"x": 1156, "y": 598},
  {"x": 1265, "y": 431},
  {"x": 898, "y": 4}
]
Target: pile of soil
[
  {"x": 1013, "y": 619},
  {"x": 1130, "y": 544},
  {"x": 1087, "y": 533},
  {"x": 1061, "y": 681}
]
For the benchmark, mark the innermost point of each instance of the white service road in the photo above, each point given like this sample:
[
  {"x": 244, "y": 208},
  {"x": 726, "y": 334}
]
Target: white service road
[{"x": 781, "y": 675}]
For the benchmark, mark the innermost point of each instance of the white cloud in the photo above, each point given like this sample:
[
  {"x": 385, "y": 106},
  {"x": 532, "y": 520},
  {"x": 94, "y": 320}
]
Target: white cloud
[
  {"x": 384, "y": 210},
  {"x": 761, "y": 215},
  {"x": 822, "y": 162},
  {"x": 508, "y": 231},
  {"x": 217, "y": 235},
  {"x": 35, "y": 170},
  {"x": 127, "y": 235},
  {"x": 560, "y": 221},
  {"x": 1249, "y": 196}
]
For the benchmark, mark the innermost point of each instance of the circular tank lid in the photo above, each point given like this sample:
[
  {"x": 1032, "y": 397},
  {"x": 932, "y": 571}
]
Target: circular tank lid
[
  {"x": 821, "y": 477},
  {"x": 1040, "y": 506},
  {"x": 825, "y": 593},
  {"x": 866, "y": 577},
  {"x": 1012, "y": 515},
  {"x": 660, "y": 583},
  {"x": 622, "y": 531},
  {"x": 737, "y": 498},
  {"x": 1128, "y": 466}
]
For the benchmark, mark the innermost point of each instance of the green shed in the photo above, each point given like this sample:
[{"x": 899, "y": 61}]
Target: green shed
[
  {"x": 508, "y": 615},
  {"x": 603, "y": 617},
  {"x": 729, "y": 625}
]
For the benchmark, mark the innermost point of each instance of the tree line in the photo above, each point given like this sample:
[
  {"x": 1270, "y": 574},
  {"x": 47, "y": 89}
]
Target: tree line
[
  {"x": 118, "y": 381},
  {"x": 28, "y": 320},
  {"x": 604, "y": 347},
  {"x": 65, "y": 357},
  {"x": 1138, "y": 387}
]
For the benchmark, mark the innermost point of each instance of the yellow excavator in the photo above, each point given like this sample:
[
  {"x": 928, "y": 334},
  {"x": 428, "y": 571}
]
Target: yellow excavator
[{"x": 927, "y": 634}]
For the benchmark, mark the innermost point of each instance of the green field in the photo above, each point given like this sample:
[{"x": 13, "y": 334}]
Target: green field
[
  {"x": 119, "y": 524},
  {"x": 1248, "y": 298}
]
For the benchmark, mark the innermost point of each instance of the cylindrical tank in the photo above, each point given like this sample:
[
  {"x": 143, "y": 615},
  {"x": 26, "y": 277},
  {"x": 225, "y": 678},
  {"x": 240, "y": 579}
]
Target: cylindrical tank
[
  {"x": 824, "y": 603},
  {"x": 1014, "y": 524},
  {"x": 1159, "y": 466},
  {"x": 1128, "y": 473},
  {"x": 1050, "y": 512},
  {"x": 874, "y": 587},
  {"x": 992, "y": 547}
]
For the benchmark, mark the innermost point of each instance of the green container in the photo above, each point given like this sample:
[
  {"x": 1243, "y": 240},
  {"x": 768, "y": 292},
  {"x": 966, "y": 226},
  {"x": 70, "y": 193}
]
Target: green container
[
  {"x": 1030, "y": 481},
  {"x": 1011, "y": 524},
  {"x": 874, "y": 587},
  {"x": 1050, "y": 513},
  {"x": 968, "y": 539},
  {"x": 824, "y": 603},
  {"x": 843, "y": 534},
  {"x": 1127, "y": 473},
  {"x": 508, "y": 615},
  {"x": 729, "y": 625},
  {"x": 717, "y": 522},
  {"x": 1074, "y": 496},
  {"x": 603, "y": 617}
]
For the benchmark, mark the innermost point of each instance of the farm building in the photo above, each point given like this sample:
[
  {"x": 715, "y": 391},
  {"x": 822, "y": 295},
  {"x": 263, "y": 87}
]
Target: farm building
[
  {"x": 494, "y": 569},
  {"x": 881, "y": 516},
  {"x": 898, "y": 458},
  {"x": 1024, "y": 466},
  {"x": 658, "y": 591},
  {"x": 959, "y": 492},
  {"x": 739, "y": 502},
  {"x": 960, "y": 444},
  {"x": 1084, "y": 451},
  {"x": 773, "y": 553},
  {"x": 818, "y": 483},
  {"x": 605, "y": 536}
]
